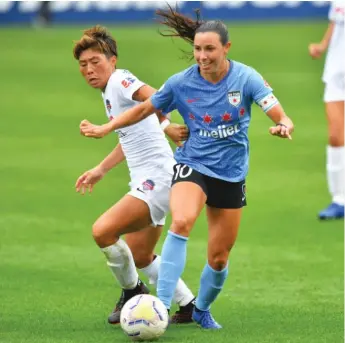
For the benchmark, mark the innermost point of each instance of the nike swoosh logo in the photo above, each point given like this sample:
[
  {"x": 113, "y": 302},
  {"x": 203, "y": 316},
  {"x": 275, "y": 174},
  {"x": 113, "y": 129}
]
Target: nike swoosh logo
[{"x": 138, "y": 189}]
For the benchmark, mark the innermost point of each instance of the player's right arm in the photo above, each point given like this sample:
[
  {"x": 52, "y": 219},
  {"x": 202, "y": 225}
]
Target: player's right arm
[
  {"x": 88, "y": 179},
  {"x": 163, "y": 99},
  {"x": 317, "y": 49}
]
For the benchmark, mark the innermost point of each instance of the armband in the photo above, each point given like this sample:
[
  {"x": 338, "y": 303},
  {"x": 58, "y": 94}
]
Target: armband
[{"x": 268, "y": 102}]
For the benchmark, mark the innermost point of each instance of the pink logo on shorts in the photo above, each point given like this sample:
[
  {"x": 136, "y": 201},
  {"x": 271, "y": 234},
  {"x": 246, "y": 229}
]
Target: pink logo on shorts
[{"x": 148, "y": 185}]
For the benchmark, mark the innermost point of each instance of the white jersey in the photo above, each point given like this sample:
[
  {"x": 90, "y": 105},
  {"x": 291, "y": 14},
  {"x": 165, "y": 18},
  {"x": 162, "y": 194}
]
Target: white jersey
[
  {"x": 144, "y": 143},
  {"x": 335, "y": 60}
]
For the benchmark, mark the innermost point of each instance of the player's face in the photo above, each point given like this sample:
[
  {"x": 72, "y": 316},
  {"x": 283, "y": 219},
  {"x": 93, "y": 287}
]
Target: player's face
[
  {"x": 209, "y": 52},
  {"x": 96, "y": 68}
]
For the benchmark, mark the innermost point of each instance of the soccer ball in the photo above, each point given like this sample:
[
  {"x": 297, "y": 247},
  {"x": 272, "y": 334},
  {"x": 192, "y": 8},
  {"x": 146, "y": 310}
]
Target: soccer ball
[{"x": 144, "y": 317}]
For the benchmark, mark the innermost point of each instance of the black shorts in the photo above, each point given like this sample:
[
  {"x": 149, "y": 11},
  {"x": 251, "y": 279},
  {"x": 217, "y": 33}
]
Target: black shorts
[{"x": 220, "y": 193}]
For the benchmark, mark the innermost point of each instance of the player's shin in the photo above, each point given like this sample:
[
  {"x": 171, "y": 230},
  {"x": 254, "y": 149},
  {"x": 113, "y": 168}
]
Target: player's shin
[
  {"x": 121, "y": 263},
  {"x": 335, "y": 173},
  {"x": 211, "y": 283},
  {"x": 182, "y": 296},
  {"x": 172, "y": 265}
]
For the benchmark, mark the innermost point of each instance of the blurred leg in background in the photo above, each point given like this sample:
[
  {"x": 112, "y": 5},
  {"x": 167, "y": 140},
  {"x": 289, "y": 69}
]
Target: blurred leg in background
[{"x": 44, "y": 16}]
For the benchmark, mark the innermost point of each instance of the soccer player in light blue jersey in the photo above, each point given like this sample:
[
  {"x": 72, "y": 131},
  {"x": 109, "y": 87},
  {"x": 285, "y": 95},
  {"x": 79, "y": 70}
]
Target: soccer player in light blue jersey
[{"x": 214, "y": 97}]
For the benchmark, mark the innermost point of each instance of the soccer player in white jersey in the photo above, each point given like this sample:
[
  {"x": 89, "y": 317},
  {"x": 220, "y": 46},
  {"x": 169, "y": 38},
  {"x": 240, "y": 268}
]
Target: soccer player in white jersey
[
  {"x": 150, "y": 161},
  {"x": 334, "y": 96}
]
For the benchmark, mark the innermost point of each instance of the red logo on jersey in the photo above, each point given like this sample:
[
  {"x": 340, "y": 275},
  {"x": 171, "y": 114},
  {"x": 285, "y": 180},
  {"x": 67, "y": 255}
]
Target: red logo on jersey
[
  {"x": 207, "y": 118},
  {"x": 226, "y": 116},
  {"x": 266, "y": 84},
  {"x": 191, "y": 116},
  {"x": 190, "y": 101},
  {"x": 148, "y": 185},
  {"x": 242, "y": 111},
  {"x": 127, "y": 82}
]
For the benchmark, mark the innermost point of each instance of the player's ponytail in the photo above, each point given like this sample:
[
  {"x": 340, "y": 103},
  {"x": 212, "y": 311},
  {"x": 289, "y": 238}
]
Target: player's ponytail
[
  {"x": 181, "y": 25},
  {"x": 186, "y": 28}
]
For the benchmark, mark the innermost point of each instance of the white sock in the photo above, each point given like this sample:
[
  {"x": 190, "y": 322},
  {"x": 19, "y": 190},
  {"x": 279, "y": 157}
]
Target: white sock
[
  {"x": 182, "y": 295},
  {"x": 121, "y": 263},
  {"x": 335, "y": 173}
]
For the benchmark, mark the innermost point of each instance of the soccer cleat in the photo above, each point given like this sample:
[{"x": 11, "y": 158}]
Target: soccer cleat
[
  {"x": 184, "y": 314},
  {"x": 333, "y": 211},
  {"x": 114, "y": 317},
  {"x": 205, "y": 320}
]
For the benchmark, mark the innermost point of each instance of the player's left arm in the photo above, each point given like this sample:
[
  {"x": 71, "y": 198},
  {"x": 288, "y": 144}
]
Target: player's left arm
[
  {"x": 262, "y": 93},
  {"x": 176, "y": 132}
]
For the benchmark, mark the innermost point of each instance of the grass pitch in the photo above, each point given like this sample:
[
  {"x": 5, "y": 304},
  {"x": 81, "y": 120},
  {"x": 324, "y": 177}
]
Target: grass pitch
[{"x": 286, "y": 270}]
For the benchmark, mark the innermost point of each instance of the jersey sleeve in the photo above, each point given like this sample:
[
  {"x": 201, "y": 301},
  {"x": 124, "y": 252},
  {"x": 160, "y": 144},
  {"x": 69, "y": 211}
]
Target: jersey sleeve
[
  {"x": 129, "y": 84},
  {"x": 163, "y": 100},
  {"x": 260, "y": 91}
]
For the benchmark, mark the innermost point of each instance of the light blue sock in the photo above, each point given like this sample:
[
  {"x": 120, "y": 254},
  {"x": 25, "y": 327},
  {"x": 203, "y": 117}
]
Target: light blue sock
[
  {"x": 211, "y": 283},
  {"x": 173, "y": 260}
]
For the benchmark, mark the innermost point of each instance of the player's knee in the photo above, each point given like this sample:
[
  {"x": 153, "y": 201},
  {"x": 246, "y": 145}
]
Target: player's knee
[
  {"x": 218, "y": 261},
  {"x": 100, "y": 235},
  {"x": 336, "y": 139},
  {"x": 181, "y": 226}
]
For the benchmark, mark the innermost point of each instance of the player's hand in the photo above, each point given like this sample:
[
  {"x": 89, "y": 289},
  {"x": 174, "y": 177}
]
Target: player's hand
[
  {"x": 281, "y": 131},
  {"x": 87, "y": 180},
  {"x": 88, "y": 129},
  {"x": 177, "y": 133},
  {"x": 316, "y": 50}
]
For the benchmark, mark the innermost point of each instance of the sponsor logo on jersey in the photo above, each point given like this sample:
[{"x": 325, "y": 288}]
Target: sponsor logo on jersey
[
  {"x": 148, "y": 185},
  {"x": 127, "y": 81},
  {"x": 108, "y": 105},
  {"x": 222, "y": 131},
  {"x": 234, "y": 98}
]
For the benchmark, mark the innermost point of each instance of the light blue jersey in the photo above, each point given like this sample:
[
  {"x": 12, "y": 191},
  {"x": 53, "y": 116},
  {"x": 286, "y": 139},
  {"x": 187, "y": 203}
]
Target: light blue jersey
[{"x": 217, "y": 116}]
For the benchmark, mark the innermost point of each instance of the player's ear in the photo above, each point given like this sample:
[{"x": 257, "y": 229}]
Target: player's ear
[
  {"x": 113, "y": 60},
  {"x": 227, "y": 47}
]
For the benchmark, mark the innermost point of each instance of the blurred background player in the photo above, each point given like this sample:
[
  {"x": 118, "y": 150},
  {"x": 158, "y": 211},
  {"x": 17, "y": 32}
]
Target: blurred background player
[
  {"x": 44, "y": 15},
  {"x": 150, "y": 161},
  {"x": 334, "y": 96},
  {"x": 214, "y": 97}
]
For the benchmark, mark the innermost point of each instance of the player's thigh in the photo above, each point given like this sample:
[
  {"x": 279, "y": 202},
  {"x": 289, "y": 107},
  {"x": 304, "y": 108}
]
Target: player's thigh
[
  {"x": 142, "y": 244},
  {"x": 223, "y": 225},
  {"x": 335, "y": 118},
  {"x": 127, "y": 215},
  {"x": 187, "y": 198}
]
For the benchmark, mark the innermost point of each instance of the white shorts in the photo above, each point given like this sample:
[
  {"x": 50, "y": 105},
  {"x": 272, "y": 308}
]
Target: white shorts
[
  {"x": 335, "y": 88},
  {"x": 154, "y": 189}
]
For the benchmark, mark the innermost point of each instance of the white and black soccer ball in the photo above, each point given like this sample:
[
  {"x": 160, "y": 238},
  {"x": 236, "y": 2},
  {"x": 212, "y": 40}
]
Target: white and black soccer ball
[{"x": 144, "y": 318}]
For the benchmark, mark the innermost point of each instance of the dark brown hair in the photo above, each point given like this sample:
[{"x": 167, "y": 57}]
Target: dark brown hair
[
  {"x": 186, "y": 28},
  {"x": 96, "y": 38}
]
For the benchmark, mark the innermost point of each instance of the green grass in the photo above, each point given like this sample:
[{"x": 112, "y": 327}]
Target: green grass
[{"x": 286, "y": 271}]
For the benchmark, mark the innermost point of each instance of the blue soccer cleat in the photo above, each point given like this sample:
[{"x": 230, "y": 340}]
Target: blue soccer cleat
[
  {"x": 205, "y": 320},
  {"x": 333, "y": 211}
]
